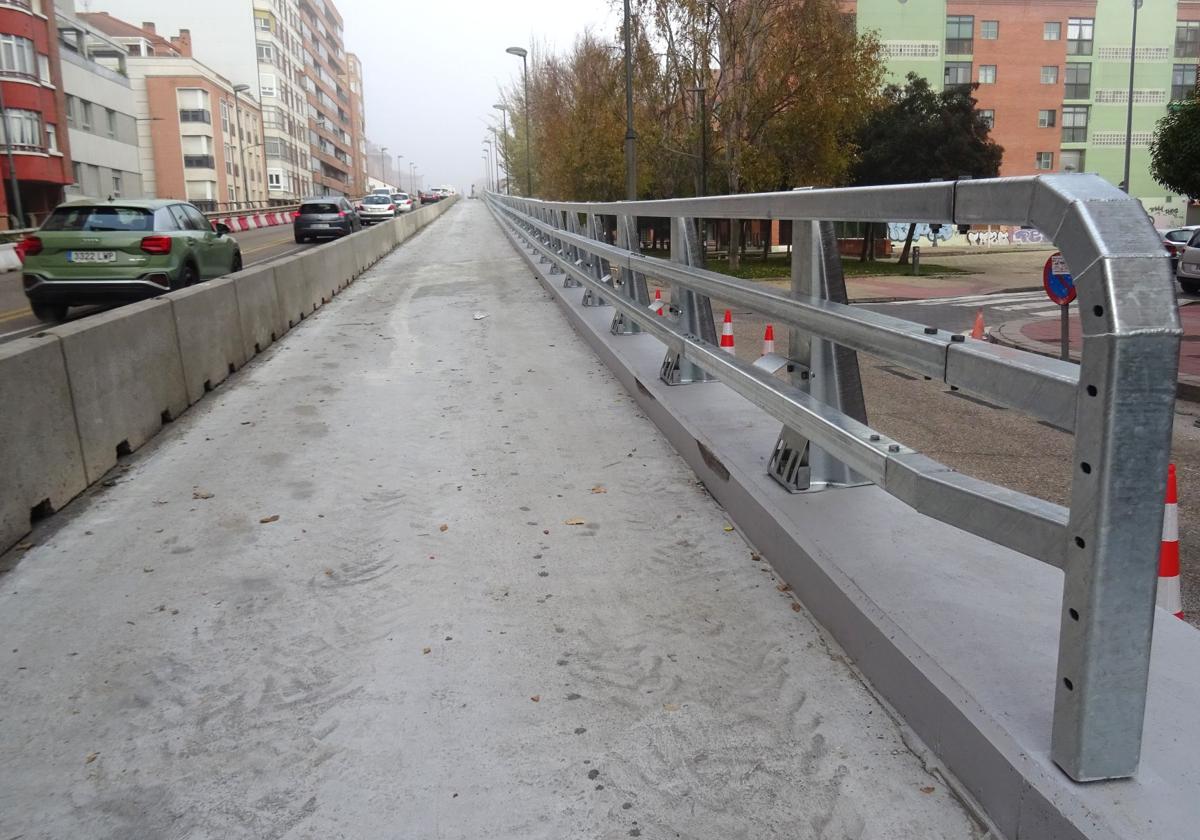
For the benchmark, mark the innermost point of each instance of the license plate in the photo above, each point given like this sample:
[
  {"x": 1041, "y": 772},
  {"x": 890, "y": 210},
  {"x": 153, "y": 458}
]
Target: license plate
[
  {"x": 91, "y": 256},
  {"x": 319, "y": 225}
]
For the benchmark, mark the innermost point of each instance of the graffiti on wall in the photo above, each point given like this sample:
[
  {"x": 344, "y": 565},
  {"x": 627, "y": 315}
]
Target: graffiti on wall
[{"x": 983, "y": 237}]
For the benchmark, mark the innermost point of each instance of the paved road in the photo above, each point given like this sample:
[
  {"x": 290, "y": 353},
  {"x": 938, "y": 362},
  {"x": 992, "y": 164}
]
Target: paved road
[
  {"x": 16, "y": 320},
  {"x": 420, "y": 645}
]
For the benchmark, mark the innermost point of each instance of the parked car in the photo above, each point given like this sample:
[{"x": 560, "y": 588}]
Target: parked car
[
  {"x": 376, "y": 208},
  {"x": 403, "y": 203},
  {"x": 119, "y": 251},
  {"x": 1175, "y": 241},
  {"x": 1188, "y": 269},
  {"x": 325, "y": 217}
]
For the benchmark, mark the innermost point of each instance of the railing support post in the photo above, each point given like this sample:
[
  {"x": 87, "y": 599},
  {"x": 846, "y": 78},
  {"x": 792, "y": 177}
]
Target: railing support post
[
  {"x": 695, "y": 315},
  {"x": 573, "y": 253},
  {"x": 633, "y": 283},
  {"x": 601, "y": 269},
  {"x": 825, "y": 370}
]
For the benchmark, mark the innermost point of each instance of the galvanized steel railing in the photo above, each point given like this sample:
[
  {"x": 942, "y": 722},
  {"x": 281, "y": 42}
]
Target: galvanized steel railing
[{"x": 1118, "y": 401}]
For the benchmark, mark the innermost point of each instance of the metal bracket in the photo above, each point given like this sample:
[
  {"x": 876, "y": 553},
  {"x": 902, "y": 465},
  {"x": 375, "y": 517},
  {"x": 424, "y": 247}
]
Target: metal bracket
[
  {"x": 599, "y": 266},
  {"x": 633, "y": 284},
  {"x": 695, "y": 310}
]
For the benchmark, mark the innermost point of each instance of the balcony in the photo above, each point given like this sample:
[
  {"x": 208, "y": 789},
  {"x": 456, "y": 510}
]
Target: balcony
[
  {"x": 195, "y": 115},
  {"x": 199, "y": 162}
]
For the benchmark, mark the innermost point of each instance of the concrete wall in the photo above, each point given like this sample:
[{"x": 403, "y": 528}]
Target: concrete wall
[{"x": 88, "y": 392}]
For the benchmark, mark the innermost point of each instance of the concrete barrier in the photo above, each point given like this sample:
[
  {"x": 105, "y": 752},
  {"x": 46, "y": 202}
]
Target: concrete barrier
[
  {"x": 126, "y": 379},
  {"x": 262, "y": 321},
  {"x": 210, "y": 334},
  {"x": 41, "y": 463},
  {"x": 295, "y": 286}
]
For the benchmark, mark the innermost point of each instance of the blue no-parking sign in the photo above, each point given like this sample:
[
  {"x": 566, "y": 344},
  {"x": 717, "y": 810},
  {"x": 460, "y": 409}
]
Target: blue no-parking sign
[{"x": 1057, "y": 280}]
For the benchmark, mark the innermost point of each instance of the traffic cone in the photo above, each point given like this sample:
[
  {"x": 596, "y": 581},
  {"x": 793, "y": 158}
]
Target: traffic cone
[
  {"x": 727, "y": 334},
  {"x": 658, "y": 305},
  {"x": 1169, "y": 596},
  {"x": 769, "y": 341},
  {"x": 977, "y": 330}
]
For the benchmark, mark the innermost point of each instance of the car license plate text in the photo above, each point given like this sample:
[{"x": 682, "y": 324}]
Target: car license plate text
[
  {"x": 319, "y": 225},
  {"x": 91, "y": 256}
]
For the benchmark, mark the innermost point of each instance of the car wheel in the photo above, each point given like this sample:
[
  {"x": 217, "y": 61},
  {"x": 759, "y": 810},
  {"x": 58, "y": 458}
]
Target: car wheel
[
  {"x": 236, "y": 266},
  {"x": 187, "y": 276},
  {"x": 301, "y": 239},
  {"x": 50, "y": 313},
  {"x": 1192, "y": 287}
]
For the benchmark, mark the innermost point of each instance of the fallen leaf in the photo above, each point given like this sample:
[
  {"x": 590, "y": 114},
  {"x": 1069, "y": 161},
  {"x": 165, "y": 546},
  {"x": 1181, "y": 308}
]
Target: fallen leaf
[
  {"x": 91, "y": 757},
  {"x": 426, "y": 650},
  {"x": 201, "y": 494},
  {"x": 784, "y": 587},
  {"x": 755, "y": 557},
  {"x": 329, "y": 573},
  {"x": 537, "y": 698},
  {"x": 929, "y": 789},
  {"x": 599, "y": 489},
  {"x": 575, "y": 521},
  {"x": 443, "y": 528},
  {"x": 267, "y": 520},
  {"x": 796, "y": 607},
  {"x": 671, "y": 707},
  {"x": 728, "y": 527}
]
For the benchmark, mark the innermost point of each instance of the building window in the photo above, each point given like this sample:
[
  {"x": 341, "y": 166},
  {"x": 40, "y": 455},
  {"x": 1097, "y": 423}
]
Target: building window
[
  {"x": 77, "y": 173},
  {"x": 224, "y": 116},
  {"x": 1071, "y": 160},
  {"x": 1183, "y": 82},
  {"x": 1051, "y": 30},
  {"x": 44, "y": 68},
  {"x": 273, "y": 147},
  {"x": 1080, "y": 32},
  {"x": 266, "y": 84},
  {"x": 1045, "y": 160},
  {"x": 25, "y": 129},
  {"x": 85, "y": 115},
  {"x": 111, "y": 120},
  {"x": 70, "y": 110},
  {"x": 194, "y": 105},
  {"x": 51, "y": 137},
  {"x": 1046, "y": 118},
  {"x": 960, "y": 33},
  {"x": 228, "y": 159},
  {"x": 987, "y": 74},
  {"x": 988, "y": 117},
  {"x": 1187, "y": 39},
  {"x": 263, "y": 24},
  {"x": 989, "y": 30},
  {"x": 229, "y": 192},
  {"x": 958, "y": 73},
  {"x": 1050, "y": 74},
  {"x": 266, "y": 53},
  {"x": 17, "y": 57},
  {"x": 274, "y": 179},
  {"x": 116, "y": 184},
  {"x": 1078, "y": 81},
  {"x": 1075, "y": 123}
]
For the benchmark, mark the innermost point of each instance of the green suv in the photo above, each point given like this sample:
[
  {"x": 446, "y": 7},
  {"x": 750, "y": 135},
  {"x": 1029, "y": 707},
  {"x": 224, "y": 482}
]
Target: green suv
[{"x": 118, "y": 251}]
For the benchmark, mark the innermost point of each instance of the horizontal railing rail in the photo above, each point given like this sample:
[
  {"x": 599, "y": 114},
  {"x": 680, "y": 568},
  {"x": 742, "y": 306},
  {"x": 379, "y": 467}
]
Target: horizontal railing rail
[{"x": 1118, "y": 401}]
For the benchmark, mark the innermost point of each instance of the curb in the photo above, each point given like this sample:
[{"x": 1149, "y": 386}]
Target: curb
[{"x": 1009, "y": 334}]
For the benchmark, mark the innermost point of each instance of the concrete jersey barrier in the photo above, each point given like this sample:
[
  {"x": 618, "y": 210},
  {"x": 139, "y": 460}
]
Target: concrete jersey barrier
[{"x": 80, "y": 395}]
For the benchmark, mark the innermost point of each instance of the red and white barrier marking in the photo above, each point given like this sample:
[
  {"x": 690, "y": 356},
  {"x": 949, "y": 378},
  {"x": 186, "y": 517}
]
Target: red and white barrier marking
[{"x": 1170, "y": 598}]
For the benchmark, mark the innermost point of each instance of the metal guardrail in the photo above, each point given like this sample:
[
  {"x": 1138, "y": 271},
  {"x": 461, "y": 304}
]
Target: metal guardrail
[{"x": 1118, "y": 401}]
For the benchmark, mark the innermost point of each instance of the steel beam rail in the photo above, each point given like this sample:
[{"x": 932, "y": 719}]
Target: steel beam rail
[{"x": 1119, "y": 402}]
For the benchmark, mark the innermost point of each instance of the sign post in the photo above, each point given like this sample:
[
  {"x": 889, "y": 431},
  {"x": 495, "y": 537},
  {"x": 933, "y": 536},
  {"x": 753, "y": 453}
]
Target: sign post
[{"x": 1060, "y": 288}]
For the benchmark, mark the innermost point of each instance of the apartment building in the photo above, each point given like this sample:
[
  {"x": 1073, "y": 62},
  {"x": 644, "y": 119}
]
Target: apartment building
[
  {"x": 38, "y": 152},
  {"x": 1053, "y": 76},
  {"x": 358, "y": 124},
  {"x": 100, "y": 113},
  {"x": 199, "y": 136},
  {"x": 283, "y": 91},
  {"x": 329, "y": 108}
]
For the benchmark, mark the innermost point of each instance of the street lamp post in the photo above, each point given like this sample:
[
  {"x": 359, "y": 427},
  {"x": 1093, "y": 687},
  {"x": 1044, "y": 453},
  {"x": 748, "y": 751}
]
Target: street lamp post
[
  {"x": 630, "y": 136},
  {"x": 237, "y": 107},
  {"x": 522, "y": 52},
  {"x": 1137, "y": 4},
  {"x": 489, "y": 150},
  {"x": 487, "y": 170},
  {"x": 503, "y": 109}
]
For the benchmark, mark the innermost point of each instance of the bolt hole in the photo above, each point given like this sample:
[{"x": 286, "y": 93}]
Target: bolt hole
[
  {"x": 1074, "y": 613},
  {"x": 1079, "y": 542},
  {"x": 1070, "y": 685},
  {"x": 1098, "y": 311},
  {"x": 1091, "y": 391},
  {"x": 1086, "y": 467}
]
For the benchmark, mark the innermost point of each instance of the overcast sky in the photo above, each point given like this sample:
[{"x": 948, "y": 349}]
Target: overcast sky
[{"x": 433, "y": 69}]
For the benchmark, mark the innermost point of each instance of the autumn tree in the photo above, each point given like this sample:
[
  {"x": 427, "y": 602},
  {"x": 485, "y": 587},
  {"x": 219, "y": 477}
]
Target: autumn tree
[{"x": 1175, "y": 149}]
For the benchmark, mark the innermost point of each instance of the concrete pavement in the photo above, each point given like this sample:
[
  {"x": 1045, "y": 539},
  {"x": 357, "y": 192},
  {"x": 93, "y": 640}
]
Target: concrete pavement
[{"x": 342, "y": 598}]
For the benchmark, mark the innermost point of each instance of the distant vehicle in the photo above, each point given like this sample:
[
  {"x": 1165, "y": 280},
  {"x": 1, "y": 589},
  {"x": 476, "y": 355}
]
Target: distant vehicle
[
  {"x": 376, "y": 208},
  {"x": 381, "y": 191},
  {"x": 1175, "y": 241},
  {"x": 119, "y": 251},
  {"x": 403, "y": 203},
  {"x": 1188, "y": 270},
  {"x": 324, "y": 217},
  {"x": 429, "y": 197}
]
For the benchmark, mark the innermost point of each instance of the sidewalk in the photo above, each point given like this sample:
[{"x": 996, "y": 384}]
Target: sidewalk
[
  {"x": 1043, "y": 335},
  {"x": 991, "y": 271},
  {"x": 412, "y": 574}
]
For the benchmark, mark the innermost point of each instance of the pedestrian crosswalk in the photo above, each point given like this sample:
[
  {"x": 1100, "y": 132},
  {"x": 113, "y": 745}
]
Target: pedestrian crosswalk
[{"x": 1020, "y": 304}]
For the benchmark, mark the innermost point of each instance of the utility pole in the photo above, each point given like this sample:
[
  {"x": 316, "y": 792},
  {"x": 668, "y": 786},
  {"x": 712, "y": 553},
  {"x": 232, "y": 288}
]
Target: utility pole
[
  {"x": 630, "y": 136},
  {"x": 1137, "y": 4}
]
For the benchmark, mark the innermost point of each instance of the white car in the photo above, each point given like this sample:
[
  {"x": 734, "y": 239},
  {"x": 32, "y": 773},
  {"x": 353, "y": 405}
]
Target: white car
[
  {"x": 1187, "y": 272},
  {"x": 376, "y": 208},
  {"x": 403, "y": 202}
]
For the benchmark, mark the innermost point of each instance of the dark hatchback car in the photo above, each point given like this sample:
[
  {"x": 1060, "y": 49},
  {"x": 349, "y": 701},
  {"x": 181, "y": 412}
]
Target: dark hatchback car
[{"x": 325, "y": 217}]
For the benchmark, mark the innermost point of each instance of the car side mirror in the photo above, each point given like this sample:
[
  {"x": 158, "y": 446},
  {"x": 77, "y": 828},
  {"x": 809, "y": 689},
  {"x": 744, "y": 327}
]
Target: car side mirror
[{"x": 221, "y": 229}]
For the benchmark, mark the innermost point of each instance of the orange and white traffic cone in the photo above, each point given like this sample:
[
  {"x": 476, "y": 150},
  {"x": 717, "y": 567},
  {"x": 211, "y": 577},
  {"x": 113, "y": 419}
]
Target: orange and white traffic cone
[
  {"x": 727, "y": 334},
  {"x": 977, "y": 330},
  {"x": 769, "y": 341},
  {"x": 659, "y": 305},
  {"x": 1169, "y": 596}
]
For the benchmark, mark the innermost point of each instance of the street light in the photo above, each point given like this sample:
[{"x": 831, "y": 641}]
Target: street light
[
  {"x": 503, "y": 109},
  {"x": 487, "y": 170},
  {"x": 489, "y": 151},
  {"x": 237, "y": 107},
  {"x": 495, "y": 156},
  {"x": 1137, "y": 4},
  {"x": 522, "y": 52}
]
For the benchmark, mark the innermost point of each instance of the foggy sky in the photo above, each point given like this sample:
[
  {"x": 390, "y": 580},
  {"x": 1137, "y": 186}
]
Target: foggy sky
[{"x": 433, "y": 68}]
